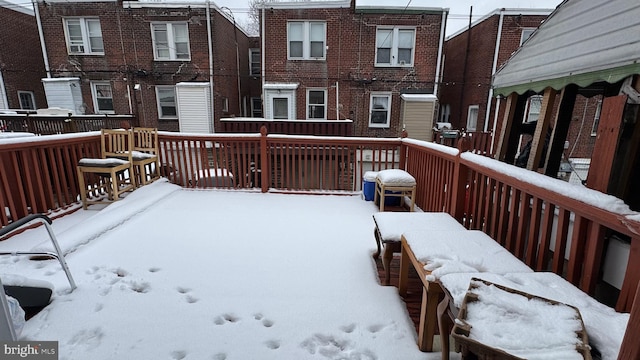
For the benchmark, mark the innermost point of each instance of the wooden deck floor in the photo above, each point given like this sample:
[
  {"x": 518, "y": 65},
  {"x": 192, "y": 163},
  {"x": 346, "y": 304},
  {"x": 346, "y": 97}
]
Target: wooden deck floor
[{"x": 414, "y": 290}]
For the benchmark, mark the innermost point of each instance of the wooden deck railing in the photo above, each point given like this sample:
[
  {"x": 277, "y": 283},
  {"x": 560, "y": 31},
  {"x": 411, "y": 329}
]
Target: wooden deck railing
[
  {"x": 62, "y": 124},
  {"x": 547, "y": 223}
]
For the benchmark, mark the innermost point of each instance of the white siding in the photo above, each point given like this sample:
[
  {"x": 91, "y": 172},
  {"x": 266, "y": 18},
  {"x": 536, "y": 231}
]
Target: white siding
[
  {"x": 417, "y": 116},
  {"x": 64, "y": 93},
  {"x": 195, "y": 113}
]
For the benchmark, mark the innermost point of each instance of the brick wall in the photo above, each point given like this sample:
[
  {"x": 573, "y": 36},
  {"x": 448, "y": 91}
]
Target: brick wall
[
  {"x": 21, "y": 59},
  {"x": 129, "y": 57},
  {"x": 469, "y": 63},
  {"x": 350, "y": 63}
]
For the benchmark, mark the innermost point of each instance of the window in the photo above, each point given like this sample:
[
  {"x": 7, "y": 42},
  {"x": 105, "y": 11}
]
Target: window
[
  {"x": 225, "y": 104},
  {"x": 445, "y": 112},
  {"x": 84, "y": 36},
  {"x": 166, "y": 96},
  {"x": 27, "y": 100},
  {"x": 102, "y": 97},
  {"x": 170, "y": 41},
  {"x": 472, "y": 118},
  {"x": 534, "y": 104},
  {"x": 256, "y": 107},
  {"x": 526, "y": 33},
  {"x": 316, "y": 104},
  {"x": 280, "y": 108},
  {"x": 596, "y": 119},
  {"x": 306, "y": 40},
  {"x": 394, "y": 46},
  {"x": 254, "y": 61},
  {"x": 380, "y": 110}
]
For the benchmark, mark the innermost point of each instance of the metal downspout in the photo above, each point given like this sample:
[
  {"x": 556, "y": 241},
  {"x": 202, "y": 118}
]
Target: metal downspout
[
  {"x": 493, "y": 71},
  {"x": 262, "y": 66},
  {"x": 213, "y": 128},
  {"x": 42, "y": 44},
  {"x": 443, "y": 28}
]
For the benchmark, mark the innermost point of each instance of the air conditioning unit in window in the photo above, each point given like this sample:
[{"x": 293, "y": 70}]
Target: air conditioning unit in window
[{"x": 402, "y": 62}]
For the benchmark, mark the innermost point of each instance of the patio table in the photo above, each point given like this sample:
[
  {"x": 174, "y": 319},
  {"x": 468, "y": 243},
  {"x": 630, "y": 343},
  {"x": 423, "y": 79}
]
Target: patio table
[
  {"x": 434, "y": 254},
  {"x": 391, "y": 225}
]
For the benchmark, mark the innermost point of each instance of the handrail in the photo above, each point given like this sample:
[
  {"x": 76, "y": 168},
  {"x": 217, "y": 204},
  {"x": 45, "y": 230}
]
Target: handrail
[{"x": 47, "y": 224}]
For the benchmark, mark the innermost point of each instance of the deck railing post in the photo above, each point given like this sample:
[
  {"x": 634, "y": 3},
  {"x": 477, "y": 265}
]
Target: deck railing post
[
  {"x": 460, "y": 176},
  {"x": 403, "y": 152},
  {"x": 265, "y": 172},
  {"x": 630, "y": 348}
]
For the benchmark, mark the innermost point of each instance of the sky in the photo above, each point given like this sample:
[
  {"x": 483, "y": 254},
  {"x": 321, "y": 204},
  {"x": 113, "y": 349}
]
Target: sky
[
  {"x": 458, "y": 9},
  {"x": 172, "y": 273}
]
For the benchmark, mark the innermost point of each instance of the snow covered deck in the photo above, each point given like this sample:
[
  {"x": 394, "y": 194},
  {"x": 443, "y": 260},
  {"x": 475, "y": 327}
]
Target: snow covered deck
[{"x": 163, "y": 274}]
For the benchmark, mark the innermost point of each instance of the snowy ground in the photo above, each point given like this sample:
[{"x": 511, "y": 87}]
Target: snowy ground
[{"x": 185, "y": 274}]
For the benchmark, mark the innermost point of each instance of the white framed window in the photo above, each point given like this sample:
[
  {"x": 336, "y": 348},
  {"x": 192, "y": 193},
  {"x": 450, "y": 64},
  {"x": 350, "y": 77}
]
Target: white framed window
[
  {"x": 280, "y": 108},
  {"x": 534, "y": 105},
  {"x": 256, "y": 107},
  {"x": 445, "y": 112},
  {"x": 254, "y": 61},
  {"x": 472, "y": 117},
  {"x": 395, "y": 46},
  {"x": 84, "y": 36},
  {"x": 102, "y": 97},
  {"x": 596, "y": 119},
  {"x": 380, "y": 110},
  {"x": 225, "y": 104},
  {"x": 306, "y": 40},
  {"x": 166, "y": 96},
  {"x": 170, "y": 41},
  {"x": 526, "y": 33},
  {"x": 27, "y": 100},
  {"x": 316, "y": 103}
]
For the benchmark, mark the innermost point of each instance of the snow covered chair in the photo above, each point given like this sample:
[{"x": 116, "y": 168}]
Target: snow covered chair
[{"x": 395, "y": 183}]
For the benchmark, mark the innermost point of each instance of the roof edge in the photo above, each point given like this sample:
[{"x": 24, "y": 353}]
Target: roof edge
[
  {"x": 505, "y": 11},
  {"x": 610, "y": 76}
]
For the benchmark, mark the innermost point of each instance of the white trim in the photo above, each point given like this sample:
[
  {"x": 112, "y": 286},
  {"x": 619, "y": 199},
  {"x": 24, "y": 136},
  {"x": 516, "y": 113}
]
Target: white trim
[
  {"x": 170, "y": 39},
  {"x": 306, "y": 40},
  {"x": 33, "y": 99},
  {"x": 281, "y": 86},
  {"x": 251, "y": 52},
  {"x": 307, "y": 4},
  {"x": 532, "y": 29},
  {"x": 389, "y": 97},
  {"x": 419, "y": 97},
  {"x": 469, "y": 110},
  {"x": 17, "y": 7},
  {"x": 94, "y": 97},
  {"x": 175, "y": 100},
  {"x": 393, "y": 56},
  {"x": 84, "y": 32},
  {"x": 324, "y": 91}
]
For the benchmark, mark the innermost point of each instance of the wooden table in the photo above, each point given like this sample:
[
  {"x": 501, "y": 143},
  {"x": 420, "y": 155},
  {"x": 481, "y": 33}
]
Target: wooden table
[{"x": 465, "y": 247}]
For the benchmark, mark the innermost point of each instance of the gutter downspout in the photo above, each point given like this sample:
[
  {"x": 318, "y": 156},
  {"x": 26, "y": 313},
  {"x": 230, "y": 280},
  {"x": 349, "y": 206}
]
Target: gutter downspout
[
  {"x": 493, "y": 71},
  {"x": 262, "y": 66},
  {"x": 443, "y": 28},
  {"x": 42, "y": 44},
  {"x": 210, "y": 46},
  {"x": 337, "y": 100},
  {"x": 495, "y": 122}
]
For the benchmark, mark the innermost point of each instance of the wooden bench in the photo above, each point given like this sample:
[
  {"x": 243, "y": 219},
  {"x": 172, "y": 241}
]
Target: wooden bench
[{"x": 605, "y": 327}]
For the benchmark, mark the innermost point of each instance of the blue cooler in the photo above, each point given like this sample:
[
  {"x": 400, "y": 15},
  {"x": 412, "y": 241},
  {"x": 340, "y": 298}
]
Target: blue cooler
[{"x": 369, "y": 185}]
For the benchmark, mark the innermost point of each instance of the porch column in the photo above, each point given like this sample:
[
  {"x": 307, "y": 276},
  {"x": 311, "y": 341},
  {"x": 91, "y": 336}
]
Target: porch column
[
  {"x": 544, "y": 120},
  {"x": 560, "y": 130},
  {"x": 509, "y": 135},
  {"x": 630, "y": 348}
]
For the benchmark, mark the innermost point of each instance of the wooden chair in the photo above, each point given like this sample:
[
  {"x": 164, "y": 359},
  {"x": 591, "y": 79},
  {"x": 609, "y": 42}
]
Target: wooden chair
[
  {"x": 113, "y": 172},
  {"x": 145, "y": 155}
]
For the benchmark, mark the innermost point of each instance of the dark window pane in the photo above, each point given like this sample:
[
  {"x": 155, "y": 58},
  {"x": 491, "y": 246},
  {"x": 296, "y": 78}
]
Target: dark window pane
[
  {"x": 317, "y": 49},
  {"x": 295, "y": 49},
  {"x": 384, "y": 56},
  {"x": 379, "y": 117}
]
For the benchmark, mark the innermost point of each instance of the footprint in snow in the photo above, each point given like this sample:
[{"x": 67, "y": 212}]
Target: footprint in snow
[
  {"x": 273, "y": 344},
  {"x": 225, "y": 318},
  {"x": 183, "y": 290},
  {"x": 220, "y": 356},
  {"x": 348, "y": 328},
  {"x": 178, "y": 354},
  {"x": 154, "y": 269}
]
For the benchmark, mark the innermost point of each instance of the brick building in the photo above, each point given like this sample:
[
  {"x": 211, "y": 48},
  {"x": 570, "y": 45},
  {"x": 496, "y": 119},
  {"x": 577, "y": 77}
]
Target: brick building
[
  {"x": 340, "y": 60},
  {"x": 473, "y": 55},
  {"x": 21, "y": 63},
  {"x": 148, "y": 58}
]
